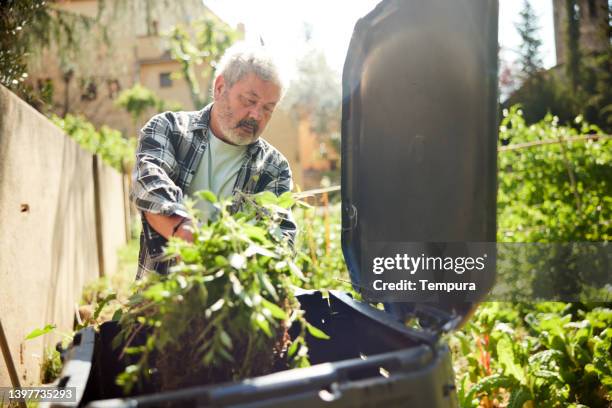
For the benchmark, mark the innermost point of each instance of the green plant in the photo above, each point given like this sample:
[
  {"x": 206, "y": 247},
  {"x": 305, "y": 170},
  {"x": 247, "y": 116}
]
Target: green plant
[
  {"x": 556, "y": 190},
  {"x": 201, "y": 51},
  {"x": 108, "y": 143},
  {"x": 51, "y": 367},
  {"x": 554, "y": 186},
  {"x": 547, "y": 354},
  {"x": 320, "y": 249},
  {"x": 225, "y": 308},
  {"x": 137, "y": 99}
]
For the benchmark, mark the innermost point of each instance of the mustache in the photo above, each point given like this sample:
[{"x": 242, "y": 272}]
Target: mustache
[{"x": 252, "y": 123}]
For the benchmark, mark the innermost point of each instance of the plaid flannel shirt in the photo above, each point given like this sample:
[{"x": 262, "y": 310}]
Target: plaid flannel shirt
[{"x": 170, "y": 148}]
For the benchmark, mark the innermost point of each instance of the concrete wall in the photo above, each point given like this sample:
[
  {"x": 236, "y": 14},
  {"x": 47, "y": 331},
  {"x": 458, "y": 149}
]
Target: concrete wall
[
  {"x": 48, "y": 240},
  {"x": 113, "y": 222}
]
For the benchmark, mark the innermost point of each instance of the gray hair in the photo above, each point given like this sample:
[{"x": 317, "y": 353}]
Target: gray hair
[{"x": 242, "y": 59}]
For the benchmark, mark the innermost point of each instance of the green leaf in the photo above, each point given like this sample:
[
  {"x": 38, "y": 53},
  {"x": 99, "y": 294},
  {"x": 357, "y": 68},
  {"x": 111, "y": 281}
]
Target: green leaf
[
  {"x": 545, "y": 357},
  {"x": 207, "y": 195},
  {"x": 217, "y": 305},
  {"x": 266, "y": 198},
  {"x": 286, "y": 200},
  {"x": 226, "y": 355},
  {"x": 519, "y": 397},
  {"x": 256, "y": 249},
  {"x": 508, "y": 360},
  {"x": 40, "y": 332},
  {"x": 293, "y": 348},
  {"x": 296, "y": 271},
  {"x": 491, "y": 383},
  {"x": 263, "y": 324},
  {"x": 103, "y": 303},
  {"x": 265, "y": 281},
  {"x": 221, "y": 260},
  {"x": 276, "y": 311},
  {"x": 548, "y": 375},
  {"x": 117, "y": 315},
  {"x": 255, "y": 233},
  {"x": 315, "y": 332},
  {"x": 226, "y": 339}
]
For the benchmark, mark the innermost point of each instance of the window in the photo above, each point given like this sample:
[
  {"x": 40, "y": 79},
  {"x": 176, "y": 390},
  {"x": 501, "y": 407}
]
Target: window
[
  {"x": 89, "y": 90},
  {"x": 113, "y": 88},
  {"x": 164, "y": 80}
]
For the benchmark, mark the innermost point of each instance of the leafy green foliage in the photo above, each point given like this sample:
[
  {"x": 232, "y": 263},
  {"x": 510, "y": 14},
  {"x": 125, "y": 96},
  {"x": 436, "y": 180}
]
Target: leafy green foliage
[
  {"x": 556, "y": 192},
  {"x": 201, "y": 51},
  {"x": 315, "y": 94},
  {"x": 514, "y": 355},
  {"x": 545, "y": 353},
  {"x": 548, "y": 354},
  {"x": 551, "y": 92},
  {"x": 40, "y": 332},
  {"x": 27, "y": 27},
  {"x": 225, "y": 307},
  {"x": 108, "y": 143},
  {"x": 320, "y": 255},
  {"x": 51, "y": 367},
  {"x": 16, "y": 16},
  {"x": 530, "y": 59},
  {"x": 137, "y": 99}
]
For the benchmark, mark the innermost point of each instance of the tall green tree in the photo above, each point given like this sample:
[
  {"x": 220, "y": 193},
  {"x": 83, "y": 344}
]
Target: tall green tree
[
  {"x": 530, "y": 60},
  {"x": 26, "y": 28},
  {"x": 199, "y": 47}
]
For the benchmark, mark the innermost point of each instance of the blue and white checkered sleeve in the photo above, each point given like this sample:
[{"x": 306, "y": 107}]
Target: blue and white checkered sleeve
[{"x": 153, "y": 188}]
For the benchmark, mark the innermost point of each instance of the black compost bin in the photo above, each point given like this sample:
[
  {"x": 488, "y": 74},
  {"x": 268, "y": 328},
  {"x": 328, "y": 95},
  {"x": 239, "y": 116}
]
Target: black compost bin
[
  {"x": 371, "y": 360},
  {"x": 418, "y": 165}
]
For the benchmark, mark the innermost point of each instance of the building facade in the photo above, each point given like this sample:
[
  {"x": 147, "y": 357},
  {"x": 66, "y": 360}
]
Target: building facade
[{"x": 138, "y": 52}]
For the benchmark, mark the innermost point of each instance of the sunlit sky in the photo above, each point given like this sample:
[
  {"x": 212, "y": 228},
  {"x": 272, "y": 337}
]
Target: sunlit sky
[{"x": 281, "y": 25}]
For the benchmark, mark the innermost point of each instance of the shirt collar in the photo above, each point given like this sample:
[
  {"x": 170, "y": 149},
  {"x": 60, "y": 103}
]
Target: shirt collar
[{"x": 202, "y": 121}]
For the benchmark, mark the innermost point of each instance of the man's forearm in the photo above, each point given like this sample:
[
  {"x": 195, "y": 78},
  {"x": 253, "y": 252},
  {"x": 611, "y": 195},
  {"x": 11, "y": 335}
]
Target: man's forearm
[{"x": 165, "y": 225}]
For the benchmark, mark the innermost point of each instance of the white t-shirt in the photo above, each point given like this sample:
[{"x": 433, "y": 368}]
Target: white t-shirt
[{"x": 217, "y": 172}]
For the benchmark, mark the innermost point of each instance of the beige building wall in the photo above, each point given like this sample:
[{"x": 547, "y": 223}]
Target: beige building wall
[
  {"x": 48, "y": 241},
  {"x": 316, "y": 155},
  {"x": 136, "y": 55},
  {"x": 282, "y": 133},
  {"x": 141, "y": 56}
]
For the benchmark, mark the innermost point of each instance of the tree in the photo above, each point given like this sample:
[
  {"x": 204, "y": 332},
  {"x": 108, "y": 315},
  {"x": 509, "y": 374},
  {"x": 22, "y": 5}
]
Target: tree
[
  {"x": 200, "y": 46},
  {"x": 530, "y": 61},
  {"x": 316, "y": 92},
  {"x": 26, "y": 28},
  {"x": 572, "y": 38},
  {"x": 137, "y": 99}
]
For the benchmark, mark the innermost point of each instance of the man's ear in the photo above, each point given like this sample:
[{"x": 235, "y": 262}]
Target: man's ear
[{"x": 219, "y": 86}]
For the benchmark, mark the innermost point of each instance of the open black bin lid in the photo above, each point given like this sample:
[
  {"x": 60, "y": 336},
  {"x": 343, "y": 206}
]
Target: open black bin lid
[{"x": 419, "y": 129}]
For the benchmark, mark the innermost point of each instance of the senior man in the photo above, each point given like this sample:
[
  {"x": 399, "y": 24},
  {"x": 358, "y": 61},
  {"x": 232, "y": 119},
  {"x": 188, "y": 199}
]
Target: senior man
[{"x": 216, "y": 149}]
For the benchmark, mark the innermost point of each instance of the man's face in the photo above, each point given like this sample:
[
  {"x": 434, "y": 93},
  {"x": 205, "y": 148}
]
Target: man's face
[{"x": 245, "y": 109}]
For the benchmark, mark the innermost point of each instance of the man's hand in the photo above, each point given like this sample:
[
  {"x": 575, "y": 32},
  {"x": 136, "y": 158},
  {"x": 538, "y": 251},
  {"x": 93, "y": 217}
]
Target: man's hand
[{"x": 165, "y": 225}]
